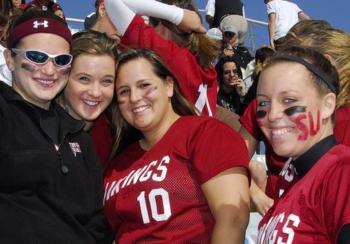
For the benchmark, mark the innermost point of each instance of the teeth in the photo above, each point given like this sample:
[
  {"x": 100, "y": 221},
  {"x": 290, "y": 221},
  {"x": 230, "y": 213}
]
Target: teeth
[
  {"x": 279, "y": 132},
  {"x": 90, "y": 103},
  {"x": 46, "y": 82},
  {"x": 139, "y": 109}
]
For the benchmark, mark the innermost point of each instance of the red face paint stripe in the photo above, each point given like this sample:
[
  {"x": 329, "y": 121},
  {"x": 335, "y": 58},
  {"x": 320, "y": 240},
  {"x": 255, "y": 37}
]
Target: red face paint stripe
[
  {"x": 313, "y": 131},
  {"x": 302, "y": 127}
]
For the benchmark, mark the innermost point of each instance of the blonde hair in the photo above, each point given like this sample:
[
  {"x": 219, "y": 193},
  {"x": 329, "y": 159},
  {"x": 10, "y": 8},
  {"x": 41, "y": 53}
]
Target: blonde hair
[
  {"x": 95, "y": 43},
  {"x": 319, "y": 35}
]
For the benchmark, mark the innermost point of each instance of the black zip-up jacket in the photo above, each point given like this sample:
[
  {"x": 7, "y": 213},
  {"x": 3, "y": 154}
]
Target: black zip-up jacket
[{"x": 49, "y": 192}]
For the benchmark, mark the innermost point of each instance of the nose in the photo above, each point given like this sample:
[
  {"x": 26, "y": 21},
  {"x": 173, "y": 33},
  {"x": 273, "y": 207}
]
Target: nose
[
  {"x": 276, "y": 112},
  {"x": 95, "y": 90},
  {"x": 49, "y": 68},
  {"x": 135, "y": 95}
]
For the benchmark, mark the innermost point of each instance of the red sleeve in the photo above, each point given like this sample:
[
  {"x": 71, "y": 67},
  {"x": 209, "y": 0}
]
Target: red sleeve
[
  {"x": 191, "y": 77},
  {"x": 102, "y": 137},
  {"x": 336, "y": 198},
  {"x": 248, "y": 120},
  {"x": 215, "y": 148}
]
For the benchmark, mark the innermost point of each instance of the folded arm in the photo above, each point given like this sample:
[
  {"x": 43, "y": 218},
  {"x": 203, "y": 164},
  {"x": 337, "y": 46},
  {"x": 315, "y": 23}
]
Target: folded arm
[{"x": 228, "y": 197}]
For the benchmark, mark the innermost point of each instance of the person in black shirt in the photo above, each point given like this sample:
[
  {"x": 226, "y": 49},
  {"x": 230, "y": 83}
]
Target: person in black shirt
[
  {"x": 50, "y": 178},
  {"x": 231, "y": 86}
]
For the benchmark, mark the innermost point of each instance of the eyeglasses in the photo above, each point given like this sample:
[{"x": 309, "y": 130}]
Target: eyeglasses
[
  {"x": 229, "y": 34},
  {"x": 40, "y": 57}
]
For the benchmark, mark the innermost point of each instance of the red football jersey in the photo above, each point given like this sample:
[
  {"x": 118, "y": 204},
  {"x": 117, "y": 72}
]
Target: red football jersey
[
  {"x": 197, "y": 84},
  {"x": 342, "y": 125},
  {"x": 316, "y": 206},
  {"x": 156, "y": 195},
  {"x": 273, "y": 161}
]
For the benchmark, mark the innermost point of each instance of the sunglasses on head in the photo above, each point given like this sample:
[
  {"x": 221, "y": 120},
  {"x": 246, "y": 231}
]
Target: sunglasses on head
[
  {"x": 40, "y": 57},
  {"x": 229, "y": 34}
]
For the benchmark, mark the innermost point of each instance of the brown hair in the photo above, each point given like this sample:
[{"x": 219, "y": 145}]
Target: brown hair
[
  {"x": 126, "y": 134},
  {"x": 94, "y": 43},
  {"x": 201, "y": 46},
  {"x": 319, "y": 35}
]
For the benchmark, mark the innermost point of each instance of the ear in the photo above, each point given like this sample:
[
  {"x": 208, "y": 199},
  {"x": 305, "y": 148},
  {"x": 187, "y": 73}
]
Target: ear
[
  {"x": 170, "y": 86},
  {"x": 10, "y": 61},
  {"x": 328, "y": 105},
  {"x": 102, "y": 10},
  {"x": 329, "y": 57}
]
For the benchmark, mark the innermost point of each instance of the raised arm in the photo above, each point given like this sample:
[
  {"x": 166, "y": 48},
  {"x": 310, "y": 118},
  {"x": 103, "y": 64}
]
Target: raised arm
[
  {"x": 121, "y": 13},
  {"x": 303, "y": 16},
  {"x": 272, "y": 28},
  {"x": 185, "y": 19}
]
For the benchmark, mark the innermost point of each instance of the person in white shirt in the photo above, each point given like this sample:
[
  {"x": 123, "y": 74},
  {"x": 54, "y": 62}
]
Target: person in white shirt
[
  {"x": 282, "y": 16},
  {"x": 5, "y": 73}
]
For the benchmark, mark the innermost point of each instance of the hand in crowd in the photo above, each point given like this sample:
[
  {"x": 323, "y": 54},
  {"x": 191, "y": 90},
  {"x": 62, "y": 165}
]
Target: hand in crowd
[
  {"x": 191, "y": 22},
  {"x": 240, "y": 86},
  {"x": 272, "y": 44}
]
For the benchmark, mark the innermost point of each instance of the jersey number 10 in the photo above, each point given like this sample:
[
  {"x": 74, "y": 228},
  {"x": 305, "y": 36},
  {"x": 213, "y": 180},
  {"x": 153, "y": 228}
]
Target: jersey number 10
[{"x": 163, "y": 195}]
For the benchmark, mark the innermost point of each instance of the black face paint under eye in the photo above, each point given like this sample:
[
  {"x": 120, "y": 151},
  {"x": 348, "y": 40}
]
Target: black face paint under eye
[
  {"x": 294, "y": 110},
  {"x": 260, "y": 114}
]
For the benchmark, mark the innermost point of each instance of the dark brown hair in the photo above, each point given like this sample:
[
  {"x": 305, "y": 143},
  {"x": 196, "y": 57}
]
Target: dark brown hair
[{"x": 126, "y": 134}]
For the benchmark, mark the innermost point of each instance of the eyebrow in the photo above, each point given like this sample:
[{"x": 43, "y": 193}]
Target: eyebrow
[
  {"x": 87, "y": 74},
  {"x": 281, "y": 93},
  {"x": 261, "y": 95}
]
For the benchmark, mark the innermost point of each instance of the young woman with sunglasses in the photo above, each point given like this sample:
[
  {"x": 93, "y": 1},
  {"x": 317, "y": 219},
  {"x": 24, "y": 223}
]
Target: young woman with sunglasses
[
  {"x": 50, "y": 178},
  {"x": 177, "y": 177},
  {"x": 296, "y": 99}
]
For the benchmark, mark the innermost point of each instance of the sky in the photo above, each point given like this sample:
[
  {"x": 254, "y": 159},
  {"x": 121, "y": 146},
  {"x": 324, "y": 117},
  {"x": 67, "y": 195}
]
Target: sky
[{"x": 336, "y": 12}]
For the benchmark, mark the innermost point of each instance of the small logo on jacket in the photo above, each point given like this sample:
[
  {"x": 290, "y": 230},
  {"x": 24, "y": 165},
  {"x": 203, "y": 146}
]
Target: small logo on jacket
[{"x": 75, "y": 147}]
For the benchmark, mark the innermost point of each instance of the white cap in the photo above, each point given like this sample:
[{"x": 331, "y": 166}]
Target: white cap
[{"x": 214, "y": 33}]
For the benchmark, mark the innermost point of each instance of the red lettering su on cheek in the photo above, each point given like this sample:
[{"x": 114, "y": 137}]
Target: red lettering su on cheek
[{"x": 307, "y": 128}]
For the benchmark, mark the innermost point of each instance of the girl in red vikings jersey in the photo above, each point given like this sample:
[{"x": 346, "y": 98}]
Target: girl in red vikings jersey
[
  {"x": 335, "y": 45},
  {"x": 183, "y": 179},
  {"x": 296, "y": 98}
]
